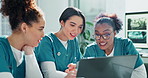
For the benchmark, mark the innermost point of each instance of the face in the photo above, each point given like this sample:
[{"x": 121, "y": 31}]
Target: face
[
  {"x": 107, "y": 31},
  {"x": 35, "y": 33},
  {"x": 72, "y": 27}
]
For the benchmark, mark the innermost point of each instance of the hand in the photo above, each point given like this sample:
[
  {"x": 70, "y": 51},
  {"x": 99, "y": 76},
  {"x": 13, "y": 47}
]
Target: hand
[
  {"x": 71, "y": 74},
  {"x": 71, "y": 67},
  {"x": 28, "y": 50}
]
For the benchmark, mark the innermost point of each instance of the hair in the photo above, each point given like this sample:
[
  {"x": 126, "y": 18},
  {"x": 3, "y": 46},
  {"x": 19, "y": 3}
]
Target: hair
[
  {"x": 110, "y": 19},
  {"x": 20, "y": 11},
  {"x": 72, "y": 11}
]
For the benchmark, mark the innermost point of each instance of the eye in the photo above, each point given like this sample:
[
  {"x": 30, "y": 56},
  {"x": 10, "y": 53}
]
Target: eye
[
  {"x": 72, "y": 25},
  {"x": 107, "y": 34},
  {"x": 81, "y": 27},
  {"x": 97, "y": 34},
  {"x": 40, "y": 29}
]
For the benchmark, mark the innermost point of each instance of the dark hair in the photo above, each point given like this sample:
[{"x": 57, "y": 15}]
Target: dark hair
[
  {"x": 71, "y": 11},
  {"x": 20, "y": 11},
  {"x": 110, "y": 19}
]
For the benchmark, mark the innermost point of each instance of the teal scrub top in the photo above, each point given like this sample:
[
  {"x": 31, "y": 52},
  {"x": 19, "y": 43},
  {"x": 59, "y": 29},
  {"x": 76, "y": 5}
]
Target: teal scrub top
[
  {"x": 51, "y": 49},
  {"x": 121, "y": 47},
  {"x": 8, "y": 62}
]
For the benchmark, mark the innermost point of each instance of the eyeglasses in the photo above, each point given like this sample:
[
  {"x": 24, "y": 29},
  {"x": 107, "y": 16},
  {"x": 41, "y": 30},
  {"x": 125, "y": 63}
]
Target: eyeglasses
[{"x": 104, "y": 36}]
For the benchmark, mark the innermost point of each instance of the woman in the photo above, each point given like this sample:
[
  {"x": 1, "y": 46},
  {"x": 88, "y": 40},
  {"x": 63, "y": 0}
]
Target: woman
[
  {"x": 57, "y": 50},
  {"x": 17, "y": 59},
  {"x": 106, "y": 28}
]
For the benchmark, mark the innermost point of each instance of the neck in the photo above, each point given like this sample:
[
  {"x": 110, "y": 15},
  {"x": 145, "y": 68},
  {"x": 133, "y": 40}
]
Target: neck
[
  {"x": 60, "y": 34},
  {"x": 109, "y": 50},
  {"x": 16, "y": 41}
]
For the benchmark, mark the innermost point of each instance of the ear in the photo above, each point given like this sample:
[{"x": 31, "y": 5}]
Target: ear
[
  {"x": 62, "y": 23},
  {"x": 24, "y": 27},
  {"x": 115, "y": 32}
]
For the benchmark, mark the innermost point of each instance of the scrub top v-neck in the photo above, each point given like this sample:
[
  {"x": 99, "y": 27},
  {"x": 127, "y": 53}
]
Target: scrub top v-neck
[{"x": 51, "y": 49}]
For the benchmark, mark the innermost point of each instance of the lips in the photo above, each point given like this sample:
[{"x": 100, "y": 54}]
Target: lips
[
  {"x": 102, "y": 44},
  {"x": 39, "y": 40},
  {"x": 73, "y": 35}
]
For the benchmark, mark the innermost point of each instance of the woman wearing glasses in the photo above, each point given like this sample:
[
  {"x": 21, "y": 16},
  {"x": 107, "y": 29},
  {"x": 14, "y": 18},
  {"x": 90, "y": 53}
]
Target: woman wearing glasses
[{"x": 106, "y": 28}]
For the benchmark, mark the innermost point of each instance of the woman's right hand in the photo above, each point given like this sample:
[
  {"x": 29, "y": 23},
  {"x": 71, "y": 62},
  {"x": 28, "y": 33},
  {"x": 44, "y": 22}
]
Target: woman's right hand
[
  {"x": 28, "y": 50},
  {"x": 71, "y": 67}
]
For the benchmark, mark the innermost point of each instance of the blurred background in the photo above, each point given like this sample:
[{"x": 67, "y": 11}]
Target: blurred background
[{"x": 125, "y": 9}]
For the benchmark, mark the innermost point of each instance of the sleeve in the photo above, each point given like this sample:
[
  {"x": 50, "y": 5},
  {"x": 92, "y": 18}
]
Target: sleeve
[
  {"x": 4, "y": 67},
  {"x": 49, "y": 70},
  {"x": 132, "y": 51},
  {"x": 44, "y": 52},
  {"x": 32, "y": 68},
  {"x": 139, "y": 72},
  {"x": 6, "y": 75}
]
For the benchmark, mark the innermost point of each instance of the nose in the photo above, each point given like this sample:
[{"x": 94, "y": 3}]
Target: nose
[
  {"x": 77, "y": 30},
  {"x": 101, "y": 38}
]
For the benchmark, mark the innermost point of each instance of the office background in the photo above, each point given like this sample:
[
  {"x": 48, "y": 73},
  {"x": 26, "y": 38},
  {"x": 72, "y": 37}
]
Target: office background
[{"x": 91, "y": 8}]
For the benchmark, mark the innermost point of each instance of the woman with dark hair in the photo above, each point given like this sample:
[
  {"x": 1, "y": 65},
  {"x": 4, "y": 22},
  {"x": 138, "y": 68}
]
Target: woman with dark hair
[
  {"x": 106, "y": 28},
  {"x": 57, "y": 50},
  {"x": 17, "y": 59}
]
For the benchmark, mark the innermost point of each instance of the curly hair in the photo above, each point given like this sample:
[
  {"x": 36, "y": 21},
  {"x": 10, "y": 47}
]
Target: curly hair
[
  {"x": 110, "y": 19},
  {"x": 20, "y": 11}
]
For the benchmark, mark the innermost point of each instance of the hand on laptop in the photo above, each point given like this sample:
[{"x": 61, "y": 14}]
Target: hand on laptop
[
  {"x": 71, "y": 67},
  {"x": 71, "y": 71}
]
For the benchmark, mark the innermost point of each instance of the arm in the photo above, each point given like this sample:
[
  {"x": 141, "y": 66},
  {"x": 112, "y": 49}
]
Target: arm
[
  {"x": 4, "y": 70},
  {"x": 139, "y": 69},
  {"x": 32, "y": 68},
  {"x": 49, "y": 70},
  {"x": 6, "y": 75},
  {"x": 139, "y": 72}
]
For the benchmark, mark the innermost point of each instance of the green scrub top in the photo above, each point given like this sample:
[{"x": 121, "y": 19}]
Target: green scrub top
[
  {"x": 121, "y": 47},
  {"x": 8, "y": 62},
  {"x": 51, "y": 49}
]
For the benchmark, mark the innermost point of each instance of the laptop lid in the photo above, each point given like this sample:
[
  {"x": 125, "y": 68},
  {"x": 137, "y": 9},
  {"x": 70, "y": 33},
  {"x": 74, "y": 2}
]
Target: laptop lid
[{"x": 107, "y": 67}]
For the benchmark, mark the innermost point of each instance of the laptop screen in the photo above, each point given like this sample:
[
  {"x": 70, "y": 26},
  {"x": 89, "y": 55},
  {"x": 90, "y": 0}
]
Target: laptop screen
[{"x": 107, "y": 67}]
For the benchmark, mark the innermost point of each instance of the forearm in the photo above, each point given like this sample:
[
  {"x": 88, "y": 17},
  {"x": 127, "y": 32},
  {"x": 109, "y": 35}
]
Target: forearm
[
  {"x": 139, "y": 72},
  {"x": 6, "y": 75},
  {"x": 49, "y": 70},
  {"x": 32, "y": 68}
]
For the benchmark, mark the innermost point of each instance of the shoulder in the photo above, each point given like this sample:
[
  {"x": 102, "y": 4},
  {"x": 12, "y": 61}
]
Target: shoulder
[
  {"x": 3, "y": 40},
  {"x": 48, "y": 37},
  {"x": 92, "y": 45},
  {"x": 123, "y": 40}
]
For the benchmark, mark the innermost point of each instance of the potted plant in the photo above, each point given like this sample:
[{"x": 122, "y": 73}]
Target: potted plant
[{"x": 87, "y": 37}]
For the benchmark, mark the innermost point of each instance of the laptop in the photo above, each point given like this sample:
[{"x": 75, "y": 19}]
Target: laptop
[{"x": 107, "y": 67}]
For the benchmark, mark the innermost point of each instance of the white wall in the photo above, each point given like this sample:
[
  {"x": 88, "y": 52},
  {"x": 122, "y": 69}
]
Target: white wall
[
  {"x": 52, "y": 10},
  {"x": 0, "y": 22},
  {"x": 136, "y": 5},
  {"x": 118, "y": 7}
]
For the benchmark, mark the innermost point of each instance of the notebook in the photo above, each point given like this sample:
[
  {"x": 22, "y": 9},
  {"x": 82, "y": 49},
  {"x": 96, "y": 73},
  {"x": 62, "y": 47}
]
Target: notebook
[{"x": 107, "y": 67}]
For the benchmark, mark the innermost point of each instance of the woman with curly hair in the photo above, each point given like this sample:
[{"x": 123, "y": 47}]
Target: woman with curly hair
[
  {"x": 17, "y": 59},
  {"x": 107, "y": 44}
]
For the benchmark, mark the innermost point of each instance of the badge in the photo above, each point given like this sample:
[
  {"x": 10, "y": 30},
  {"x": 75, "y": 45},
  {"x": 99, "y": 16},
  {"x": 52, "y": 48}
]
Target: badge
[{"x": 59, "y": 53}]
